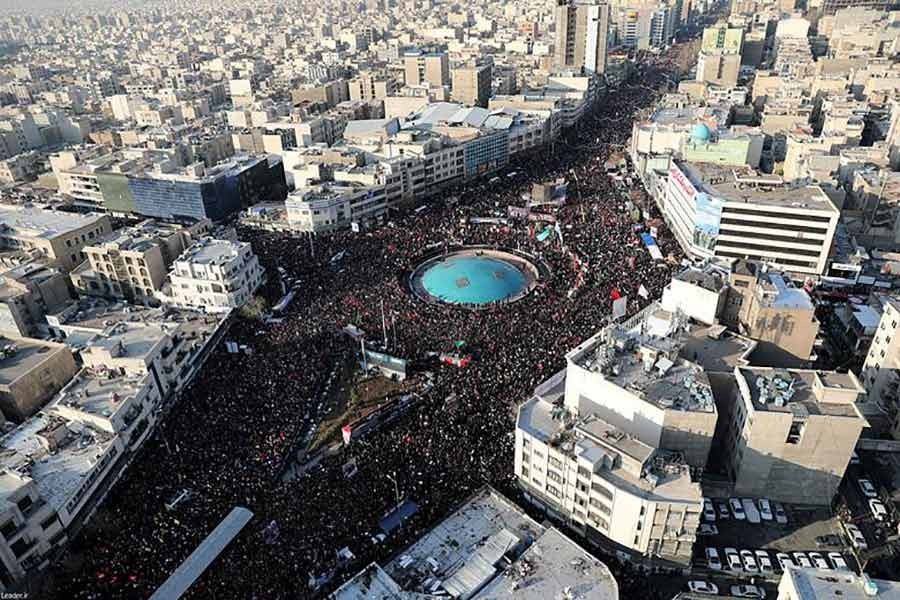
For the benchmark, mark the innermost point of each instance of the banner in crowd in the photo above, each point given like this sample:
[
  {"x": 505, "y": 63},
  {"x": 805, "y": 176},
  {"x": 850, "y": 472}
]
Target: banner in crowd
[
  {"x": 541, "y": 217},
  {"x": 517, "y": 212}
]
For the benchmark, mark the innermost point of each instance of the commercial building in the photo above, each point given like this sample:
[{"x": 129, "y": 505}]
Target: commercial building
[
  {"x": 59, "y": 236},
  {"x": 31, "y": 372},
  {"x": 791, "y": 433},
  {"x": 132, "y": 263},
  {"x": 472, "y": 85},
  {"x": 582, "y": 32},
  {"x": 214, "y": 275},
  {"x": 431, "y": 67},
  {"x": 488, "y": 549},
  {"x": 733, "y": 213},
  {"x": 607, "y": 444}
]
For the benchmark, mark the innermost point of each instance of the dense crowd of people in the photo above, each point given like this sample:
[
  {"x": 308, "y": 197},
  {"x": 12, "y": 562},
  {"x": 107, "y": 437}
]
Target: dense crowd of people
[{"x": 231, "y": 434}]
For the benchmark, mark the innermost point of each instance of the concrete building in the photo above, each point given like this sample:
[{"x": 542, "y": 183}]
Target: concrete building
[
  {"x": 881, "y": 369},
  {"x": 30, "y": 289},
  {"x": 59, "y": 236},
  {"x": 606, "y": 445},
  {"x": 719, "y": 68},
  {"x": 815, "y": 584},
  {"x": 132, "y": 263},
  {"x": 582, "y": 32},
  {"x": 31, "y": 372},
  {"x": 472, "y": 85},
  {"x": 766, "y": 307},
  {"x": 368, "y": 87},
  {"x": 431, "y": 67},
  {"x": 791, "y": 433},
  {"x": 488, "y": 549},
  {"x": 700, "y": 295},
  {"x": 214, "y": 275},
  {"x": 733, "y": 213}
]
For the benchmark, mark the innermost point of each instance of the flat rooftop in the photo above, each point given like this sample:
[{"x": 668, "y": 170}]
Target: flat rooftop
[
  {"x": 211, "y": 251},
  {"x": 745, "y": 186},
  {"x": 21, "y": 356},
  {"x": 99, "y": 392},
  {"x": 720, "y": 353},
  {"x": 791, "y": 391},
  {"x": 812, "y": 584},
  {"x": 29, "y": 221}
]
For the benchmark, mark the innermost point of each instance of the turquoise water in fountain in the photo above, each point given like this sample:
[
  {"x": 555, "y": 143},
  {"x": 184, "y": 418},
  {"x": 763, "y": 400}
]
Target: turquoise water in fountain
[{"x": 473, "y": 280}]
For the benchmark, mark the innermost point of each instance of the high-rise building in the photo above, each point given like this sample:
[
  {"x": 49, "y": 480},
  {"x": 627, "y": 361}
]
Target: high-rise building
[
  {"x": 432, "y": 67},
  {"x": 369, "y": 87},
  {"x": 472, "y": 85},
  {"x": 582, "y": 31}
]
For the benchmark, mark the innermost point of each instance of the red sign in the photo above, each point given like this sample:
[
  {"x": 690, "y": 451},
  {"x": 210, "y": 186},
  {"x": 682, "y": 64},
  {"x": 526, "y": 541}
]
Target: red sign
[{"x": 686, "y": 186}]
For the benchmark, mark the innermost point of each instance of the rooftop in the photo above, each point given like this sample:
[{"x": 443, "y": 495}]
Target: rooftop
[
  {"x": 20, "y": 356},
  {"x": 99, "y": 392},
  {"x": 43, "y": 223},
  {"x": 801, "y": 392},
  {"x": 812, "y": 584},
  {"x": 211, "y": 251}
]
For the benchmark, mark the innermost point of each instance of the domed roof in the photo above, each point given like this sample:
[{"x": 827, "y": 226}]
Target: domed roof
[{"x": 701, "y": 133}]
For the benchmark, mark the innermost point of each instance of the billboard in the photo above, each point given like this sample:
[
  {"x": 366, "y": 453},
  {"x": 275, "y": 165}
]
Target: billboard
[{"x": 707, "y": 219}]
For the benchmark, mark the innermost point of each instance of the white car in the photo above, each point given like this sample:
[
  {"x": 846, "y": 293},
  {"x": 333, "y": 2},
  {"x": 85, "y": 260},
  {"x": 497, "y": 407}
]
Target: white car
[
  {"x": 879, "y": 510},
  {"x": 707, "y": 529},
  {"x": 749, "y": 561},
  {"x": 722, "y": 507},
  {"x": 857, "y": 539},
  {"x": 709, "y": 513},
  {"x": 737, "y": 509},
  {"x": 802, "y": 560},
  {"x": 838, "y": 561},
  {"x": 765, "y": 563},
  {"x": 867, "y": 488},
  {"x": 734, "y": 559},
  {"x": 765, "y": 509},
  {"x": 819, "y": 561},
  {"x": 712, "y": 559},
  {"x": 703, "y": 587},
  {"x": 784, "y": 561},
  {"x": 747, "y": 591},
  {"x": 780, "y": 514}
]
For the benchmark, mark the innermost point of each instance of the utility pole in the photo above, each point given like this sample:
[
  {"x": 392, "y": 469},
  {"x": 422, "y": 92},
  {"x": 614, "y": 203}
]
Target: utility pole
[{"x": 384, "y": 325}]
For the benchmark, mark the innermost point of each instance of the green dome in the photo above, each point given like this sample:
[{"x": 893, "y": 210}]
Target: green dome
[{"x": 701, "y": 133}]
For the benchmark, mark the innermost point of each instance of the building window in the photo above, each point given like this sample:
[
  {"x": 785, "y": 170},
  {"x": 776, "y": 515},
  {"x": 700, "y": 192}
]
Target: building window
[
  {"x": 555, "y": 462},
  {"x": 796, "y": 432},
  {"x": 554, "y": 476},
  {"x": 553, "y": 491}
]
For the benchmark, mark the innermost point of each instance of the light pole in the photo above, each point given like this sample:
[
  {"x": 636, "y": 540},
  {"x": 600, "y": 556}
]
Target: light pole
[{"x": 396, "y": 488}]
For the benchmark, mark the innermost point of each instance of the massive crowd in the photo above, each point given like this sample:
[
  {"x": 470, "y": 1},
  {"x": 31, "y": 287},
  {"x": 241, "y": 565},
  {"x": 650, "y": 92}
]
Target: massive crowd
[{"x": 231, "y": 434}]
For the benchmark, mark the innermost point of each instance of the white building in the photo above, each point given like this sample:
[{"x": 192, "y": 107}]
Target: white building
[
  {"x": 700, "y": 295},
  {"x": 606, "y": 444},
  {"x": 214, "y": 275},
  {"x": 733, "y": 213},
  {"x": 881, "y": 370},
  {"x": 815, "y": 584}
]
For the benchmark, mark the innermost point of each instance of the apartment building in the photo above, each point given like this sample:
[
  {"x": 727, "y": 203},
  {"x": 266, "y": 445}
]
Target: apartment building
[
  {"x": 214, "y": 275},
  {"x": 59, "y": 236},
  {"x": 367, "y": 86},
  {"x": 738, "y": 213},
  {"x": 29, "y": 289},
  {"x": 582, "y": 35},
  {"x": 472, "y": 84},
  {"x": 791, "y": 433},
  {"x": 881, "y": 369},
  {"x": 132, "y": 263},
  {"x": 31, "y": 372},
  {"x": 607, "y": 444},
  {"x": 817, "y": 584},
  {"x": 431, "y": 67}
]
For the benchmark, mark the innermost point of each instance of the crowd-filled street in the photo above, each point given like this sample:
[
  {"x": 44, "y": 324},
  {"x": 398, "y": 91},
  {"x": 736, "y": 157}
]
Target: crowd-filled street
[{"x": 233, "y": 431}]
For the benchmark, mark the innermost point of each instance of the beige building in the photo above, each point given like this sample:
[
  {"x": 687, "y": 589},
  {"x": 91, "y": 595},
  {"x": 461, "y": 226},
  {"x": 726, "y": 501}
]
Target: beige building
[
  {"x": 432, "y": 68},
  {"x": 791, "y": 433},
  {"x": 606, "y": 445},
  {"x": 719, "y": 68},
  {"x": 368, "y": 87},
  {"x": 60, "y": 236},
  {"x": 881, "y": 370},
  {"x": 31, "y": 372},
  {"x": 29, "y": 290},
  {"x": 582, "y": 34},
  {"x": 214, "y": 275},
  {"x": 764, "y": 306},
  {"x": 133, "y": 262},
  {"x": 472, "y": 85}
]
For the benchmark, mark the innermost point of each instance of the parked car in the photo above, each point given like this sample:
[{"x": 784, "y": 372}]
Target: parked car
[
  {"x": 712, "y": 559},
  {"x": 765, "y": 509},
  {"x": 879, "y": 510},
  {"x": 867, "y": 488},
  {"x": 765, "y": 563},
  {"x": 857, "y": 539},
  {"x": 750, "y": 510},
  {"x": 707, "y": 529},
  {"x": 747, "y": 591},
  {"x": 780, "y": 514},
  {"x": 837, "y": 560},
  {"x": 854, "y": 458},
  {"x": 828, "y": 540},
  {"x": 737, "y": 509},
  {"x": 784, "y": 561},
  {"x": 819, "y": 561},
  {"x": 734, "y": 559},
  {"x": 749, "y": 561},
  {"x": 723, "y": 511},
  {"x": 703, "y": 587},
  {"x": 802, "y": 560},
  {"x": 709, "y": 513}
]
